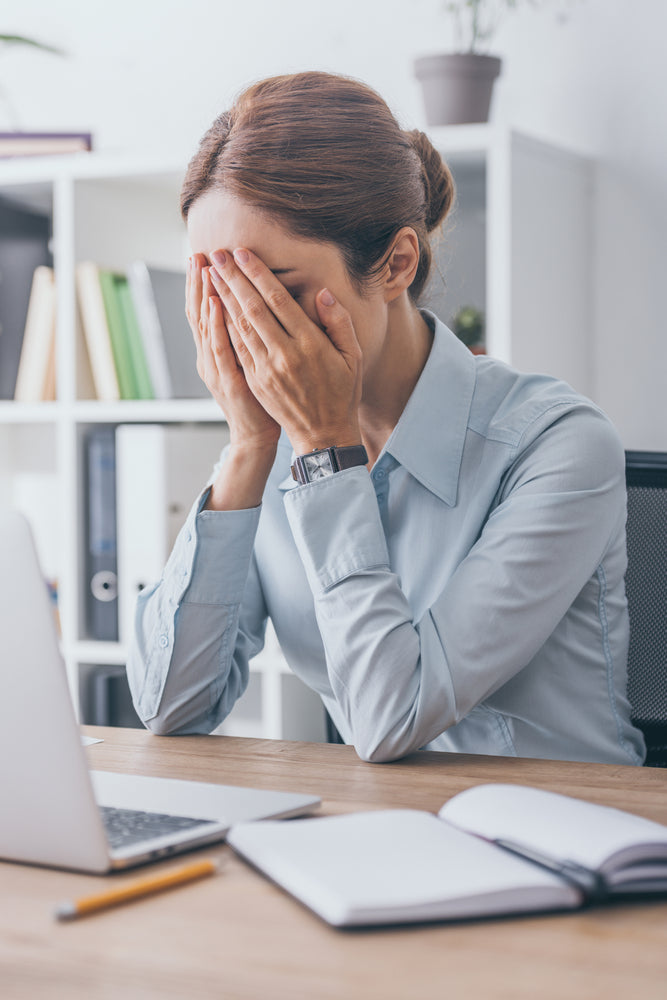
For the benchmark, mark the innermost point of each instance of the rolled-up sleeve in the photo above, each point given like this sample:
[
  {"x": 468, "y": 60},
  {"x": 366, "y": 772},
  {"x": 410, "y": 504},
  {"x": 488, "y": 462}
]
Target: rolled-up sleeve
[{"x": 187, "y": 665}]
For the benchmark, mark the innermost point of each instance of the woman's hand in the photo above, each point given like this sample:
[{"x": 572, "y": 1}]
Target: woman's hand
[
  {"x": 307, "y": 377},
  {"x": 249, "y": 423}
]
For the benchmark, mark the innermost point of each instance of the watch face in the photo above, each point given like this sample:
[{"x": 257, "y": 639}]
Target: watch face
[{"x": 318, "y": 466}]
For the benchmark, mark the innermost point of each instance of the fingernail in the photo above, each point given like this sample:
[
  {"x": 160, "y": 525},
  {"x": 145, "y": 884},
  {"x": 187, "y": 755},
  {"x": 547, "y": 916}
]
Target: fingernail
[
  {"x": 241, "y": 256},
  {"x": 219, "y": 258},
  {"x": 327, "y": 299},
  {"x": 215, "y": 277}
]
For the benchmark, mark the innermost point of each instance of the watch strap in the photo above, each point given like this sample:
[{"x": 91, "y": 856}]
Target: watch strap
[{"x": 348, "y": 457}]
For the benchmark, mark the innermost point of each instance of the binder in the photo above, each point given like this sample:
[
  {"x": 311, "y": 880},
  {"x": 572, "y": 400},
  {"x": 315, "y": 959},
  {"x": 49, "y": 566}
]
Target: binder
[
  {"x": 161, "y": 469},
  {"x": 101, "y": 538}
]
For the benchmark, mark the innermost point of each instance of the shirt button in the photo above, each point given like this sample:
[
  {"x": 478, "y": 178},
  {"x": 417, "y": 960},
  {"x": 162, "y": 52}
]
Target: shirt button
[
  {"x": 380, "y": 474},
  {"x": 164, "y": 641},
  {"x": 380, "y": 497},
  {"x": 188, "y": 536}
]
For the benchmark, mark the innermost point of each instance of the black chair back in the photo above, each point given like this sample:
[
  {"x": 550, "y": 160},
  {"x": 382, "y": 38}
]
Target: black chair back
[{"x": 646, "y": 587}]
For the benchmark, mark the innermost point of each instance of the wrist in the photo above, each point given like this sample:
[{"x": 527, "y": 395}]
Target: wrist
[
  {"x": 241, "y": 481},
  {"x": 334, "y": 437}
]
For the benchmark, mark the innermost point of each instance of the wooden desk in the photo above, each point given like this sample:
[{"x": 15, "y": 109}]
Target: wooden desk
[{"x": 237, "y": 936}]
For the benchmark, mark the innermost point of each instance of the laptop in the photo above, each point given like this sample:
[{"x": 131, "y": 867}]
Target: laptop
[{"x": 55, "y": 811}]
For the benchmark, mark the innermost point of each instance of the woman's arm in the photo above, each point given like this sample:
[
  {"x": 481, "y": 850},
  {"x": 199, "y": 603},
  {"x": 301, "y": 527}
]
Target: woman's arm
[
  {"x": 401, "y": 682},
  {"x": 196, "y": 629},
  {"x": 188, "y": 661}
]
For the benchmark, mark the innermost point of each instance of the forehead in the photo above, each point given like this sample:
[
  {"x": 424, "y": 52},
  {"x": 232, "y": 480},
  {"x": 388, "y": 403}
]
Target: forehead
[{"x": 218, "y": 220}]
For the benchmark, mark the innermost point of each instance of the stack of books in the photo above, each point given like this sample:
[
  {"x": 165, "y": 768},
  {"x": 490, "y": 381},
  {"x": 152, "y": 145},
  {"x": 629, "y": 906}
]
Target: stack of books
[{"x": 137, "y": 335}]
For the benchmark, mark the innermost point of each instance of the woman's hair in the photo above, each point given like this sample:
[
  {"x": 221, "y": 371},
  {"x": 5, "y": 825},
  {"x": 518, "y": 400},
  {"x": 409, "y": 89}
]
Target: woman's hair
[{"x": 324, "y": 155}]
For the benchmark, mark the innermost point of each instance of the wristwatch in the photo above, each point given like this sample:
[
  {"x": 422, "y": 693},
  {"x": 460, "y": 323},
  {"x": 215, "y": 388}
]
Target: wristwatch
[{"x": 325, "y": 462}]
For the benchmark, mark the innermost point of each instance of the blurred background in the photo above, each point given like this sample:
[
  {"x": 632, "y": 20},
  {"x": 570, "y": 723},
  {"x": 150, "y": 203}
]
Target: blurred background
[{"x": 149, "y": 75}]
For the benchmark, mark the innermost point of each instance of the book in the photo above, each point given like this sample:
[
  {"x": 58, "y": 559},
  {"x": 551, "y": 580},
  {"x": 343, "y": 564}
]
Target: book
[
  {"x": 24, "y": 246},
  {"x": 160, "y": 470},
  {"x": 492, "y": 850},
  {"x": 110, "y": 283},
  {"x": 96, "y": 331},
  {"x": 101, "y": 601},
  {"x": 35, "y": 380},
  {"x": 142, "y": 378},
  {"x": 159, "y": 300},
  {"x": 43, "y": 143}
]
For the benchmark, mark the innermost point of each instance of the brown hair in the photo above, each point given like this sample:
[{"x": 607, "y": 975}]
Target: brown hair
[{"x": 324, "y": 154}]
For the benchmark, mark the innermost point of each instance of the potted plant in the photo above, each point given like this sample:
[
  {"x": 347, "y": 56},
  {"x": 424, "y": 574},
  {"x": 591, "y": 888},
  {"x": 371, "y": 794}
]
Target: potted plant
[
  {"x": 457, "y": 86},
  {"x": 468, "y": 325}
]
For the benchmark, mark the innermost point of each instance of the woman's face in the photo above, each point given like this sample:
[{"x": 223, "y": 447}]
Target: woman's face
[{"x": 218, "y": 220}]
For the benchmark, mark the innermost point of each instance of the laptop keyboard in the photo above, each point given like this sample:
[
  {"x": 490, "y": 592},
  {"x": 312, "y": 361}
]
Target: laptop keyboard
[{"x": 125, "y": 827}]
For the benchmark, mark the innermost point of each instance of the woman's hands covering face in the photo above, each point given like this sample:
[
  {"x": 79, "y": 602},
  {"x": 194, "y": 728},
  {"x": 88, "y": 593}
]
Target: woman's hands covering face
[
  {"x": 217, "y": 364},
  {"x": 303, "y": 377}
]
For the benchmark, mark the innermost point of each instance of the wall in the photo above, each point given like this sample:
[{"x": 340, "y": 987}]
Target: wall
[{"x": 151, "y": 74}]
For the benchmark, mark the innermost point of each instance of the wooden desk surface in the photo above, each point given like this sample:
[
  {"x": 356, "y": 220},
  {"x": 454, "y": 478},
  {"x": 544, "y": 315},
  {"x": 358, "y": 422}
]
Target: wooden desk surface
[{"x": 235, "y": 935}]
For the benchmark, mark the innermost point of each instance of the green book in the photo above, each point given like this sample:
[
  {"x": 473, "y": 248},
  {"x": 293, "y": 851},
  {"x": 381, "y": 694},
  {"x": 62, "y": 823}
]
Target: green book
[
  {"x": 120, "y": 342},
  {"x": 137, "y": 353}
]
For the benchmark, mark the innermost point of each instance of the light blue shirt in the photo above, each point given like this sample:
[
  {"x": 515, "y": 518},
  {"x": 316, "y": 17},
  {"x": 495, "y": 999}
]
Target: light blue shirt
[{"x": 466, "y": 595}]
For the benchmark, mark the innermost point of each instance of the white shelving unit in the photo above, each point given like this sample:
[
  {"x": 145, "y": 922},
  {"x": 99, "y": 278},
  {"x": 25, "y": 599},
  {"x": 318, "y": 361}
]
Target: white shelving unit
[{"x": 518, "y": 246}]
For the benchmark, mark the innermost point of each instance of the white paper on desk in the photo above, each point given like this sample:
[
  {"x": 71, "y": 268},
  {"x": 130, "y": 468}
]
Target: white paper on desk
[
  {"x": 88, "y": 740},
  {"x": 395, "y": 866},
  {"x": 557, "y": 826}
]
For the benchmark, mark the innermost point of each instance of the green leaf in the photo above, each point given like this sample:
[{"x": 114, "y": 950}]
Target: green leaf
[{"x": 22, "y": 40}]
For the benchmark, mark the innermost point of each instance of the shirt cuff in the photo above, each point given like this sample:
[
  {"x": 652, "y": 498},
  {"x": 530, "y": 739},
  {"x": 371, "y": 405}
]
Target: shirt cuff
[
  {"x": 225, "y": 540},
  {"x": 336, "y": 527}
]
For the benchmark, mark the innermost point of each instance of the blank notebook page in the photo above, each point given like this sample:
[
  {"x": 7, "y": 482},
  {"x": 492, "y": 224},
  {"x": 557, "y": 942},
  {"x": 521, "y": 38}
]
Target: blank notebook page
[{"x": 395, "y": 865}]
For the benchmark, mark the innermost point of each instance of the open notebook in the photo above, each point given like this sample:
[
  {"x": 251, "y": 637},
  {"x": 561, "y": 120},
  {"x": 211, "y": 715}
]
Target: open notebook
[{"x": 492, "y": 849}]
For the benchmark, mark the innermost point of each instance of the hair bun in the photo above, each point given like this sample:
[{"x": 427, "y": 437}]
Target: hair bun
[{"x": 439, "y": 185}]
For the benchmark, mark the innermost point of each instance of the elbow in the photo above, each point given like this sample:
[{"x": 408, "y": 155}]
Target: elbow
[
  {"x": 159, "y": 725},
  {"x": 380, "y": 752}
]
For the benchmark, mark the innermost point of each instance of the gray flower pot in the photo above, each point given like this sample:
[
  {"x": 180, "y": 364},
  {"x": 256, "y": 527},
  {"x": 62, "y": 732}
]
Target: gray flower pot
[{"x": 457, "y": 87}]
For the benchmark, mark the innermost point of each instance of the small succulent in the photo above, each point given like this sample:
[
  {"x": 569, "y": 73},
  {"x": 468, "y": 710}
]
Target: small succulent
[{"x": 468, "y": 325}]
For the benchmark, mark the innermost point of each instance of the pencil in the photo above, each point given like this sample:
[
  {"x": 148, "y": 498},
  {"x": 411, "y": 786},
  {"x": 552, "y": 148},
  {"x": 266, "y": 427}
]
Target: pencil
[{"x": 69, "y": 909}]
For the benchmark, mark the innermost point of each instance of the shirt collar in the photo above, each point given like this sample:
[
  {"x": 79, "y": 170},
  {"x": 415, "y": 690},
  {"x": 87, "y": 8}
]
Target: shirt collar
[{"x": 429, "y": 437}]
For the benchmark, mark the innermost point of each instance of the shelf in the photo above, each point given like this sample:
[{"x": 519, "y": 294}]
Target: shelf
[
  {"x": 125, "y": 411},
  {"x": 516, "y": 246},
  {"x": 109, "y": 165},
  {"x": 147, "y": 411},
  {"x": 28, "y": 413}
]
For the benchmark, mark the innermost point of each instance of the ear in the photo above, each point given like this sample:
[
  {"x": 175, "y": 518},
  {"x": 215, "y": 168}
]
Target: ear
[{"x": 401, "y": 264}]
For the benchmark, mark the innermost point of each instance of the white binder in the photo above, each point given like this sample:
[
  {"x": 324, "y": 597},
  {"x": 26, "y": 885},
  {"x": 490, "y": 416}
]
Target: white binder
[{"x": 160, "y": 470}]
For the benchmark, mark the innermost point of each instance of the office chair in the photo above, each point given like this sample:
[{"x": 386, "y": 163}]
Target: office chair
[{"x": 646, "y": 586}]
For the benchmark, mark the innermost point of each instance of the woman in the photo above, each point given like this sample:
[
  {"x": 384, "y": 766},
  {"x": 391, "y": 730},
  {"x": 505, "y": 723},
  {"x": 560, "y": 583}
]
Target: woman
[{"x": 438, "y": 539}]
